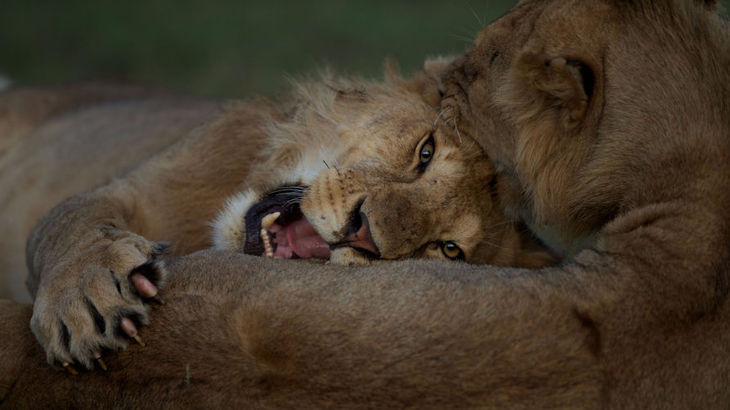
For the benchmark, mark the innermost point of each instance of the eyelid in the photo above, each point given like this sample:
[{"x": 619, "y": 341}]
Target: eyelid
[
  {"x": 459, "y": 256},
  {"x": 425, "y": 140}
]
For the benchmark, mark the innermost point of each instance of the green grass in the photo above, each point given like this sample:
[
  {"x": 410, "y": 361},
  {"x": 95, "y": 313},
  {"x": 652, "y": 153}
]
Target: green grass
[{"x": 228, "y": 47}]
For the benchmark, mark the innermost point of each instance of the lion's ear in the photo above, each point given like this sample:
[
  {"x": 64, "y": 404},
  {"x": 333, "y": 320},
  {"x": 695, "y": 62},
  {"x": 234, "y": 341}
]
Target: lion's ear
[
  {"x": 433, "y": 87},
  {"x": 427, "y": 83},
  {"x": 557, "y": 84},
  {"x": 436, "y": 67}
]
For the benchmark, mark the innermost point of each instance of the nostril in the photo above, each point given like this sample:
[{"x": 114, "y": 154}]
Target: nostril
[
  {"x": 354, "y": 222},
  {"x": 358, "y": 231},
  {"x": 362, "y": 239}
]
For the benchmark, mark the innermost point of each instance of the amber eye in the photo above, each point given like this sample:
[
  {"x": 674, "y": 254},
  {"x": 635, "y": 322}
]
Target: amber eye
[
  {"x": 452, "y": 251},
  {"x": 425, "y": 153}
]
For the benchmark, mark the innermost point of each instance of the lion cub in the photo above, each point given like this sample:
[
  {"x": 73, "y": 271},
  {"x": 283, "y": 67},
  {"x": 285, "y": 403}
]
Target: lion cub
[
  {"x": 363, "y": 171},
  {"x": 346, "y": 170}
]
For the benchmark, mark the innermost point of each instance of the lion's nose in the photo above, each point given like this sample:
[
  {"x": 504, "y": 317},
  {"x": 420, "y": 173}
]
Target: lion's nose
[{"x": 359, "y": 236}]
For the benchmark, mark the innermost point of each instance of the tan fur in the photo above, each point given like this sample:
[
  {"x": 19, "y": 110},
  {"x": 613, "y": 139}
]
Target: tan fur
[
  {"x": 356, "y": 143},
  {"x": 52, "y": 156},
  {"x": 48, "y": 135},
  {"x": 295, "y": 334},
  {"x": 638, "y": 318},
  {"x": 82, "y": 252}
]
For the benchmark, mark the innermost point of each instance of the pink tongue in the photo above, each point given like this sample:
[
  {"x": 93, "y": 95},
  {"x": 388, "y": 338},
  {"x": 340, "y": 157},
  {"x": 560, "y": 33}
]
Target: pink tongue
[{"x": 300, "y": 238}]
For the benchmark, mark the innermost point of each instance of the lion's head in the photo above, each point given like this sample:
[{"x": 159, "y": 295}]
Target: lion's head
[
  {"x": 567, "y": 98},
  {"x": 359, "y": 171}
]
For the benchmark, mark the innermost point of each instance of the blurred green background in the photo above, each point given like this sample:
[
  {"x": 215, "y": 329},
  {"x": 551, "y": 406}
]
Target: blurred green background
[{"x": 227, "y": 48}]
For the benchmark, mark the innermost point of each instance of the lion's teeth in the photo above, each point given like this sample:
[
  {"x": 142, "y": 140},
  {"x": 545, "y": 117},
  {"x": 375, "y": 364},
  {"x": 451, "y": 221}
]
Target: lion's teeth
[
  {"x": 266, "y": 223},
  {"x": 269, "y": 220},
  {"x": 267, "y": 243}
]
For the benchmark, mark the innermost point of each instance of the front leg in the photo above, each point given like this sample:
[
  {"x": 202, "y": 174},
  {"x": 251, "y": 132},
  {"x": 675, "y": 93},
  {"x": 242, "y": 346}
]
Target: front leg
[
  {"x": 93, "y": 277},
  {"x": 93, "y": 259}
]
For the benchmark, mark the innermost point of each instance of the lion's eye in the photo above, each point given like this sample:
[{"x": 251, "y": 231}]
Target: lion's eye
[
  {"x": 452, "y": 251},
  {"x": 425, "y": 152}
]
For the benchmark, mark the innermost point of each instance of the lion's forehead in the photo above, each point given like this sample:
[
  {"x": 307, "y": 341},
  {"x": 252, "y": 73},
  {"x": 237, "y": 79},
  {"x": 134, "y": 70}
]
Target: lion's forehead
[{"x": 385, "y": 141}]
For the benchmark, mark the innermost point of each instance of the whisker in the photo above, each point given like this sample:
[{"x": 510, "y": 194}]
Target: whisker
[
  {"x": 465, "y": 39},
  {"x": 440, "y": 113},
  {"x": 494, "y": 245},
  {"x": 496, "y": 225},
  {"x": 476, "y": 16},
  {"x": 334, "y": 164},
  {"x": 456, "y": 127}
]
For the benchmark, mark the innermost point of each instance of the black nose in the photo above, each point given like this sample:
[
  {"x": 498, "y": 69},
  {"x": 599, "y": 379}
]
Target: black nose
[{"x": 358, "y": 231}]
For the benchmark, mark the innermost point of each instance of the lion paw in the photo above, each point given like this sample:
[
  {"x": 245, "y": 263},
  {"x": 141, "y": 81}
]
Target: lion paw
[{"x": 96, "y": 302}]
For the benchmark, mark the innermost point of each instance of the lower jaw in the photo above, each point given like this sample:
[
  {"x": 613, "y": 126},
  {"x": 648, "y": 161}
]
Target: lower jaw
[{"x": 297, "y": 239}]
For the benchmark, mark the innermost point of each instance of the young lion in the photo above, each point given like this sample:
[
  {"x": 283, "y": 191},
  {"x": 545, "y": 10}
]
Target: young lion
[
  {"x": 347, "y": 170},
  {"x": 607, "y": 118},
  {"x": 360, "y": 172}
]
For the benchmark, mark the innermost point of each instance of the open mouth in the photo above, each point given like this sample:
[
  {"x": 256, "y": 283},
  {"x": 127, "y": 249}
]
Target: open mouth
[{"x": 276, "y": 228}]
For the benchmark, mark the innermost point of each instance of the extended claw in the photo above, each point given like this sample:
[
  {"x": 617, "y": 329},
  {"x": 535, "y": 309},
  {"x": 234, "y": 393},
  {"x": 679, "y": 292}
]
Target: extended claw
[
  {"x": 70, "y": 368},
  {"x": 130, "y": 329},
  {"x": 157, "y": 299},
  {"x": 138, "y": 340},
  {"x": 101, "y": 364},
  {"x": 99, "y": 361}
]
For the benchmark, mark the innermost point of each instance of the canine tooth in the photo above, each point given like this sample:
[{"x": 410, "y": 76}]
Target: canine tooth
[
  {"x": 267, "y": 243},
  {"x": 269, "y": 220}
]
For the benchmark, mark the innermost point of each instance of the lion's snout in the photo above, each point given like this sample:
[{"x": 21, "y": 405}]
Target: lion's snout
[{"x": 359, "y": 235}]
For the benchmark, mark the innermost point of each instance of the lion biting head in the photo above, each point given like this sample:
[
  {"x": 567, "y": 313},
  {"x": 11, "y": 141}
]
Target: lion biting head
[
  {"x": 356, "y": 171},
  {"x": 568, "y": 98}
]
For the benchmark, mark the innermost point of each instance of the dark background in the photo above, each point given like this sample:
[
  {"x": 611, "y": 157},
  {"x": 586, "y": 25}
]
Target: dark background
[{"x": 227, "y": 48}]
